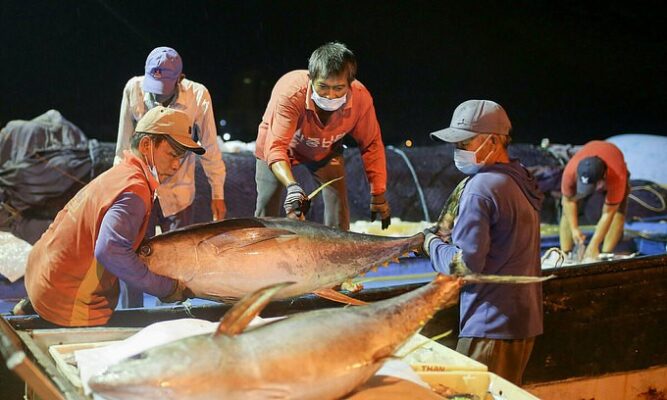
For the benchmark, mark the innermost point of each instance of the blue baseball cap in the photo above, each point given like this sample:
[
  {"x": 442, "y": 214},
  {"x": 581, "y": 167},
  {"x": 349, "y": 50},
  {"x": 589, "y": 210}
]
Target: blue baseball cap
[
  {"x": 589, "y": 171},
  {"x": 162, "y": 71}
]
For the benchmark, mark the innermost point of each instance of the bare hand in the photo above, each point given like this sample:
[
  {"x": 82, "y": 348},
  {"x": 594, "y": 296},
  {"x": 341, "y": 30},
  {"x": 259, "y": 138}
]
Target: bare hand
[
  {"x": 592, "y": 252},
  {"x": 219, "y": 209},
  {"x": 180, "y": 293},
  {"x": 577, "y": 236},
  {"x": 294, "y": 215}
]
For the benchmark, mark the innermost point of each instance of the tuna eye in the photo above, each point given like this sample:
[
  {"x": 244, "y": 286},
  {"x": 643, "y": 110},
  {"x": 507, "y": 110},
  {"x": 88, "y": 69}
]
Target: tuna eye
[{"x": 145, "y": 250}]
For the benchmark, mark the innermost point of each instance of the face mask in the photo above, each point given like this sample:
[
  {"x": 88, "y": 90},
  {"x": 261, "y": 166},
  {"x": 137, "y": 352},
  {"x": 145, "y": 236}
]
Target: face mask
[
  {"x": 466, "y": 160},
  {"x": 152, "y": 168},
  {"x": 328, "y": 104}
]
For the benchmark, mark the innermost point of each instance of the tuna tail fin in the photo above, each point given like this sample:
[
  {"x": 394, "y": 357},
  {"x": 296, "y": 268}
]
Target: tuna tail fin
[{"x": 239, "y": 316}]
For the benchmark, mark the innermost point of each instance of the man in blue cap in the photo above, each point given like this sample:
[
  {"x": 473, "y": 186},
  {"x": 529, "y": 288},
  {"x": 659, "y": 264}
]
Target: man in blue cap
[{"x": 164, "y": 84}]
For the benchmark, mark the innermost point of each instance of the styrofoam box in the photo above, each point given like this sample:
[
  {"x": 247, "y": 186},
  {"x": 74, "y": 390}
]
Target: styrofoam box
[
  {"x": 426, "y": 355},
  {"x": 445, "y": 369}
]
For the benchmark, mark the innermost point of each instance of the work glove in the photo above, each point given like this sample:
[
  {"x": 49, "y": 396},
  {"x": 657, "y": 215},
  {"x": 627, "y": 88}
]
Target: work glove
[
  {"x": 429, "y": 235},
  {"x": 296, "y": 201},
  {"x": 457, "y": 266},
  {"x": 180, "y": 293},
  {"x": 380, "y": 206}
]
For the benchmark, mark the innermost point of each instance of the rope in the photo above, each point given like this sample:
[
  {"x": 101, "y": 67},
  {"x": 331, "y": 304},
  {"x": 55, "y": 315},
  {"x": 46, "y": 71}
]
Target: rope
[
  {"x": 559, "y": 260},
  {"x": 420, "y": 192},
  {"x": 387, "y": 278},
  {"x": 65, "y": 173},
  {"x": 13, "y": 212},
  {"x": 642, "y": 203},
  {"x": 428, "y": 340}
]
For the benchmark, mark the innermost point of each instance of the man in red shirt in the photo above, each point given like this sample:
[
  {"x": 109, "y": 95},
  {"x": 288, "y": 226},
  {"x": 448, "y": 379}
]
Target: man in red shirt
[
  {"x": 305, "y": 121},
  {"x": 598, "y": 166}
]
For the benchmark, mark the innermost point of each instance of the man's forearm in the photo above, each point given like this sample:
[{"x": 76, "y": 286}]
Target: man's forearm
[
  {"x": 125, "y": 127},
  {"x": 603, "y": 225},
  {"x": 113, "y": 247},
  {"x": 570, "y": 212},
  {"x": 283, "y": 172}
]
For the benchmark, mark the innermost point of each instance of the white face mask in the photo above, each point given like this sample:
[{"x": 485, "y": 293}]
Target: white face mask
[
  {"x": 152, "y": 168},
  {"x": 466, "y": 160},
  {"x": 328, "y": 104}
]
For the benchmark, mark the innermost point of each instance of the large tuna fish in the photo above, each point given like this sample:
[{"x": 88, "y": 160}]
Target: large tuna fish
[
  {"x": 228, "y": 259},
  {"x": 321, "y": 354}
]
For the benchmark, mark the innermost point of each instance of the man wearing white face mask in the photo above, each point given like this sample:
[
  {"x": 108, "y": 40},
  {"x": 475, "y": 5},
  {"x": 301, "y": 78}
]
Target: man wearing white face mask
[
  {"x": 73, "y": 271},
  {"x": 305, "y": 121},
  {"x": 496, "y": 230}
]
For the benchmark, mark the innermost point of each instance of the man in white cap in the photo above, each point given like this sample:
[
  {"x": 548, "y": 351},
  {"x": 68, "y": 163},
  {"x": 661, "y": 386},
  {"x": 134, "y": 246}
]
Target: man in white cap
[
  {"x": 164, "y": 84},
  {"x": 598, "y": 166},
  {"x": 496, "y": 230},
  {"x": 73, "y": 271}
]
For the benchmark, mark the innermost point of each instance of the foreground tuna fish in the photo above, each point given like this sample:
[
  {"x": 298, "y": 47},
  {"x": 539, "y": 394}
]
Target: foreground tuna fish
[
  {"x": 322, "y": 354},
  {"x": 228, "y": 259}
]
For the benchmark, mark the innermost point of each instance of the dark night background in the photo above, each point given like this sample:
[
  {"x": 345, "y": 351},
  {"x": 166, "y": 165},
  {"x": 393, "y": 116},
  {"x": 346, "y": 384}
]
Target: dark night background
[{"x": 568, "y": 70}]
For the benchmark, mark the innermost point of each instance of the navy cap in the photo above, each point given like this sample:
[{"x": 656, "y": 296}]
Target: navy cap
[{"x": 589, "y": 171}]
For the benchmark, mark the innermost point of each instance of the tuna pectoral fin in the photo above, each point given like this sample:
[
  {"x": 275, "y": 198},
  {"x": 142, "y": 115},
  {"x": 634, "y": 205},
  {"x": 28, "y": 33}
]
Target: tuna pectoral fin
[
  {"x": 239, "y": 316},
  {"x": 339, "y": 297},
  {"x": 242, "y": 237},
  {"x": 510, "y": 279}
]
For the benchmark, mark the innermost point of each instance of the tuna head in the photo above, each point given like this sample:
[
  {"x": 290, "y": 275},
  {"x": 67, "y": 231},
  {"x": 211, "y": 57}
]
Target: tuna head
[{"x": 184, "y": 369}]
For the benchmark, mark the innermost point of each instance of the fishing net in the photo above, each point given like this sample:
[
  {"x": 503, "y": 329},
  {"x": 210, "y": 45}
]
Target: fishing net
[
  {"x": 419, "y": 182},
  {"x": 45, "y": 161}
]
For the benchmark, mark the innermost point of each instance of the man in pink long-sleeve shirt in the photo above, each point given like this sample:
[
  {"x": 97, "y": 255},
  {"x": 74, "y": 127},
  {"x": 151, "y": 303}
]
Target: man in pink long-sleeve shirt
[{"x": 305, "y": 121}]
